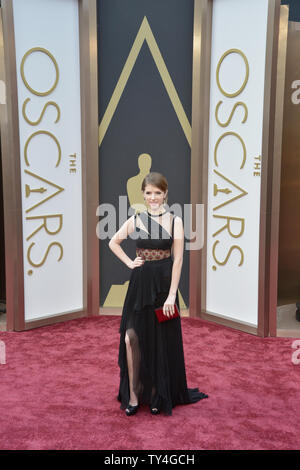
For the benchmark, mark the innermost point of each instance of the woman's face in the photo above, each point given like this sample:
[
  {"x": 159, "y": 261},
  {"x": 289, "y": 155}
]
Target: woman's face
[{"x": 154, "y": 197}]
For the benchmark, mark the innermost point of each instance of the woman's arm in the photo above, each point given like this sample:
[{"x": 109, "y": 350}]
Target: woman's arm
[
  {"x": 115, "y": 244},
  {"x": 178, "y": 246}
]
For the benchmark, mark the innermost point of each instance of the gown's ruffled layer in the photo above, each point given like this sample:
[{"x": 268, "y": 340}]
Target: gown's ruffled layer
[
  {"x": 158, "y": 357},
  {"x": 146, "y": 283}
]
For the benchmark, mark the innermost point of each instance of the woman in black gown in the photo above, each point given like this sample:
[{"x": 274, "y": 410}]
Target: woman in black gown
[{"x": 151, "y": 358}]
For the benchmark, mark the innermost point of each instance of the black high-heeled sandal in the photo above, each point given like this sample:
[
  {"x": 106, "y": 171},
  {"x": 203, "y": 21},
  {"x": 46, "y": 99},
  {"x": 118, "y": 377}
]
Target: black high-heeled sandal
[
  {"x": 154, "y": 410},
  {"x": 131, "y": 409}
]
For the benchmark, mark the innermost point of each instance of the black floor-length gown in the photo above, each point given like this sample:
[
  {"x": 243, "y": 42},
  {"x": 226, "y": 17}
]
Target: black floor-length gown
[{"x": 159, "y": 377}]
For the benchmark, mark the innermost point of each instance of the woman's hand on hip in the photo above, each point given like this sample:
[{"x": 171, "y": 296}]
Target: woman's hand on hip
[{"x": 138, "y": 261}]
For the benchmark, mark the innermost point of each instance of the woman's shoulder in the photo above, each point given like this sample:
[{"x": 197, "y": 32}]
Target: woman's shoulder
[
  {"x": 177, "y": 218},
  {"x": 177, "y": 224}
]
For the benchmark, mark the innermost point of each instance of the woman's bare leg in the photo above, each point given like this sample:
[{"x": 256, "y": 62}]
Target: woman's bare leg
[{"x": 133, "y": 400}]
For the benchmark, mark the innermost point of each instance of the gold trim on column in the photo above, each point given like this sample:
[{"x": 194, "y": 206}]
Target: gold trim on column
[
  {"x": 229, "y": 322},
  {"x": 12, "y": 199},
  {"x": 90, "y": 182},
  {"x": 267, "y": 166},
  {"x": 276, "y": 177},
  {"x": 200, "y": 137}
]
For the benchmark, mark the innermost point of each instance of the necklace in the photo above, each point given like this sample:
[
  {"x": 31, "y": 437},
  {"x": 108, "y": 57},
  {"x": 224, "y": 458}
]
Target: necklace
[{"x": 155, "y": 215}]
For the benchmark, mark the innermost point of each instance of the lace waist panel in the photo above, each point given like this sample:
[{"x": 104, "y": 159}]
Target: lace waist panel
[{"x": 149, "y": 254}]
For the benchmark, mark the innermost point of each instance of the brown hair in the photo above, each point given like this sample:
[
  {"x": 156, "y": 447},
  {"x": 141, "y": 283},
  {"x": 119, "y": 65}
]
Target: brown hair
[{"x": 156, "y": 179}]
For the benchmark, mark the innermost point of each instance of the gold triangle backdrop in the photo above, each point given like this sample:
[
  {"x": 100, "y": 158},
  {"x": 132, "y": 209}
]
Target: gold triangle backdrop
[{"x": 117, "y": 293}]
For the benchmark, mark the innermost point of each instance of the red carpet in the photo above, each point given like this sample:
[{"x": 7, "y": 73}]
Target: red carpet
[{"x": 59, "y": 384}]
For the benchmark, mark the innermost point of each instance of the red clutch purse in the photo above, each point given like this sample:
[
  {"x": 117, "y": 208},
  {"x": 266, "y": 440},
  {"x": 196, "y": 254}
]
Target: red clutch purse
[{"x": 161, "y": 317}]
